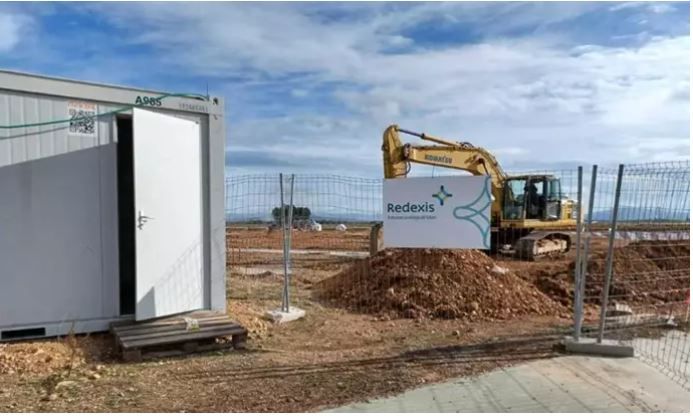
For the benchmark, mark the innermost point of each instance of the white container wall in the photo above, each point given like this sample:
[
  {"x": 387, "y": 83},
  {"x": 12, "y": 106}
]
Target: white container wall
[{"x": 69, "y": 229}]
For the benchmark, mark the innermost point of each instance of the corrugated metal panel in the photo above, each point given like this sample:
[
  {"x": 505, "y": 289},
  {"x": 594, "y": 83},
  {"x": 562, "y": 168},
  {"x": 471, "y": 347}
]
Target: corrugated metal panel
[
  {"x": 5, "y": 144},
  {"x": 60, "y": 226},
  {"x": 27, "y": 144}
]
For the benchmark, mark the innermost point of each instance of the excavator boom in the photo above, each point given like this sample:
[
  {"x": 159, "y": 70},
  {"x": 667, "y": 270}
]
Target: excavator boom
[{"x": 454, "y": 155}]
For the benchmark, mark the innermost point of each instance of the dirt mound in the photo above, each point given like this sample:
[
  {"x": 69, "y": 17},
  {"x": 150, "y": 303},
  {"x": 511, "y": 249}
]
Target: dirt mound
[
  {"x": 412, "y": 283},
  {"x": 643, "y": 272},
  {"x": 47, "y": 356},
  {"x": 667, "y": 255},
  {"x": 552, "y": 276}
]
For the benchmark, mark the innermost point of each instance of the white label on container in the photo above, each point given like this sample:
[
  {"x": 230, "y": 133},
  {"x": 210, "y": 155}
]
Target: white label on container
[{"x": 82, "y": 118}]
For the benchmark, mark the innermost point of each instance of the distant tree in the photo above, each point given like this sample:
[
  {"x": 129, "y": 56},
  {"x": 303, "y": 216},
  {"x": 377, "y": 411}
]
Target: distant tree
[
  {"x": 276, "y": 214},
  {"x": 299, "y": 213}
]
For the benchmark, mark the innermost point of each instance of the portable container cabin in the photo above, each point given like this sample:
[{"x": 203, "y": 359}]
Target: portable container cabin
[{"x": 111, "y": 205}]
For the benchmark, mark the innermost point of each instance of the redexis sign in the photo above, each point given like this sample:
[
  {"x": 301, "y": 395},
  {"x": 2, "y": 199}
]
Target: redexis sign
[{"x": 442, "y": 212}]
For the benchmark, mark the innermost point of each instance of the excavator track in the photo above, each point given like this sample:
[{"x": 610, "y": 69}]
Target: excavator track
[{"x": 538, "y": 244}]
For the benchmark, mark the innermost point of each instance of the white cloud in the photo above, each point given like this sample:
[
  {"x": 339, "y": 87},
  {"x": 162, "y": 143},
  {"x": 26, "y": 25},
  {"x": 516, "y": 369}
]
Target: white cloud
[
  {"x": 509, "y": 151},
  {"x": 661, "y": 8},
  {"x": 627, "y": 5},
  {"x": 11, "y": 30},
  {"x": 658, "y": 7},
  {"x": 530, "y": 99},
  {"x": 299, "y": 92}
]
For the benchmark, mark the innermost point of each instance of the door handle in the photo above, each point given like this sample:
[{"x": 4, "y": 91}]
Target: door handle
[{"x": 142, "y": 219}]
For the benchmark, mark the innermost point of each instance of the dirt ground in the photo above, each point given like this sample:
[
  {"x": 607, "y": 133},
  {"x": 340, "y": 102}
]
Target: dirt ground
[
  {"x": 353, "y": 239},
  {"x": 329, "y": 358}
]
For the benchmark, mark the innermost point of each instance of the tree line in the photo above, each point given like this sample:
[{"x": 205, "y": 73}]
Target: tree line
[{"x": 299, "y": 213}]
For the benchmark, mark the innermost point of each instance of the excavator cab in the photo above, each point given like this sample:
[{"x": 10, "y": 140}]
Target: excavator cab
[{"x": 532, "y": 198}]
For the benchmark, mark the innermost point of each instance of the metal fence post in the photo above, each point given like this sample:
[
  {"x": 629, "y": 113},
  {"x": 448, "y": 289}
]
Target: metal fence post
[
  {"x": 284, "y": 246},
  {"x": 610, "y": 256},
  {"x": 287, "y": 248},
  {"x": 577, "y": 303},
  {"x": 588, "y": 236}
]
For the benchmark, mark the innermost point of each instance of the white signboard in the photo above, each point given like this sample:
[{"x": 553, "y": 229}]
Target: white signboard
[{"x": 441, "y": 212}]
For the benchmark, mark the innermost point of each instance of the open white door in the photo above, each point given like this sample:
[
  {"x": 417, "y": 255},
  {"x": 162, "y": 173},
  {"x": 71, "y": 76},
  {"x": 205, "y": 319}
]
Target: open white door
[{"x": 168, "y": 204}]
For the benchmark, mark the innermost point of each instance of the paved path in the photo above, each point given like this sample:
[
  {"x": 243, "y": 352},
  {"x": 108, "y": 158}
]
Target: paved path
[{"x": 563, "y": 384}]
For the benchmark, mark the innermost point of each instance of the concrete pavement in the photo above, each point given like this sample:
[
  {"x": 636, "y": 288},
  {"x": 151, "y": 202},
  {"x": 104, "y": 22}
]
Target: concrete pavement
[{"x": 562, "y": 384}]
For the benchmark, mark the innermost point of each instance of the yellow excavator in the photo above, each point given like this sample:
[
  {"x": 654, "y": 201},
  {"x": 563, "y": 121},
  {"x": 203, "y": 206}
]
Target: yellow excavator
[{"x": 530, "y": 218}]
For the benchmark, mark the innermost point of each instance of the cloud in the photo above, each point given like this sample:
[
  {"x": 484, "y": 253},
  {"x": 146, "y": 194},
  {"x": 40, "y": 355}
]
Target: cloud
[
  {"x": 662, "y": 8},
  {"x": 12, "y": 28},
  {"x": 310, "y": 87},
  {"x": 651, "y": 6},
  {"x": 298, "y": 92}
]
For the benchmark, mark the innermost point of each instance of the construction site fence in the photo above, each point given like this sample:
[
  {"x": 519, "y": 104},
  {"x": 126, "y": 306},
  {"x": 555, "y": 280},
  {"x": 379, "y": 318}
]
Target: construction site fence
[
  {"x": 327, "y": 262},
  {"x": 633, "y": 273}
]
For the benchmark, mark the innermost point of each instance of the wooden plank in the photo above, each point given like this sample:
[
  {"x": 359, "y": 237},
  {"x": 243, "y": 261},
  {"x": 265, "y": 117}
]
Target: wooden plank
[
  {"x": 169, "y": 329},
  {"x": 239, "y": 340},
  {"x": 169, "y": 336},
  {"x": 204, "y": 314},
  {"x": 171, "y": 318},
  {"x": 177, "y": 352},
  {"x": 124, "y": 326},
  {"x": 132, "y": 355},
  {"x": 135, "y": 330},
  {"x": 176, "y": 339},
  {"x": 229, "y": 328},
  {"x": 190, "y": 346},
  {"x": 190, "y": 336},
  {"x": 178, "y": 331},
  {"x": 181, "y": 324}
]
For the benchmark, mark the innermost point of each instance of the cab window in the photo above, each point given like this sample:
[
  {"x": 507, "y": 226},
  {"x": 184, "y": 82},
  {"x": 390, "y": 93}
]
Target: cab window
[{"x": 514, "y": 201}]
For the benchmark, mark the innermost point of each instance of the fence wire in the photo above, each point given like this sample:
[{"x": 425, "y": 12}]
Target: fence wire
[
  {"x": 332, "y": 217},
  {"x": 647, "y": 304}
]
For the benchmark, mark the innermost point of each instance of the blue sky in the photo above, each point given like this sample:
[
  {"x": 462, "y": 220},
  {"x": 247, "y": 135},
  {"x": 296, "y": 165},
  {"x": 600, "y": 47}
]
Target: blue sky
[{"x": 310, "y": 87}]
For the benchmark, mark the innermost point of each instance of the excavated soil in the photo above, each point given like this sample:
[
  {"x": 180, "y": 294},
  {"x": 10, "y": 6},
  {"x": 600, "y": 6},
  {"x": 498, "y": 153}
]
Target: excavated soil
[
  {"x": 643, "y": 272},
  {"x": 47, "y": 356},
  {"x": 452, "y": 284}
]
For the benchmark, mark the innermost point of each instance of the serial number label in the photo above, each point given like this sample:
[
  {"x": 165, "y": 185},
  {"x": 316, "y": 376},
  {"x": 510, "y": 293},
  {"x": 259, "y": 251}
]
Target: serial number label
[
  {"x": 150, "y": 101},
  {"x": 193, "y": 107}
]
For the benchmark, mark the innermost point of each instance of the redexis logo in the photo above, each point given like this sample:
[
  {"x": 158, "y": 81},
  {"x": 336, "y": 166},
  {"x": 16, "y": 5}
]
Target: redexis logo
[
  {"x": 442, "y": 195},
  {"x": 411, "y": 207}
]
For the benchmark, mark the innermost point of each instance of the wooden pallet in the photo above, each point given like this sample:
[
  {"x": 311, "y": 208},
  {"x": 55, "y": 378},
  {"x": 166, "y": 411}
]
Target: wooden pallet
[{"x": 169, "y": 336}]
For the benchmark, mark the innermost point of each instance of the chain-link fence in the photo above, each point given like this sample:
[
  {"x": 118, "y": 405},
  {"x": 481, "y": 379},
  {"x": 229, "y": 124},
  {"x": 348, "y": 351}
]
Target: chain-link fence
[
  {"x": 636, "y": 262},
  {"x": 433, "y": 297},
  {"x": 335, "y": 264},
  {"x": 331, "y": 225},
  {"x": 331, "y": 214}
]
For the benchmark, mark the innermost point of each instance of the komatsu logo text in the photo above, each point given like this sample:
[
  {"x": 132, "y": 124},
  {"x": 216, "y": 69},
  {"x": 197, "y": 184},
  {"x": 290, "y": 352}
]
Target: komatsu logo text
[{"x": 439, "y": 159}]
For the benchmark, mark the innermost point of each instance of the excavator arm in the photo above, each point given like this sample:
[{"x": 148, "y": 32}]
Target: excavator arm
[{"x": 462, "y": 156}]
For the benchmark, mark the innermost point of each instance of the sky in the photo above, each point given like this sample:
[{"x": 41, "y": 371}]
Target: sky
[{"x": 310, "y": 87}]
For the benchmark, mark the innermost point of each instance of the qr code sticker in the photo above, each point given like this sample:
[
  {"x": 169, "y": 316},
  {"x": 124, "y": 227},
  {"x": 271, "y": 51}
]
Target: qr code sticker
[{"x": 82, "y": 120}]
